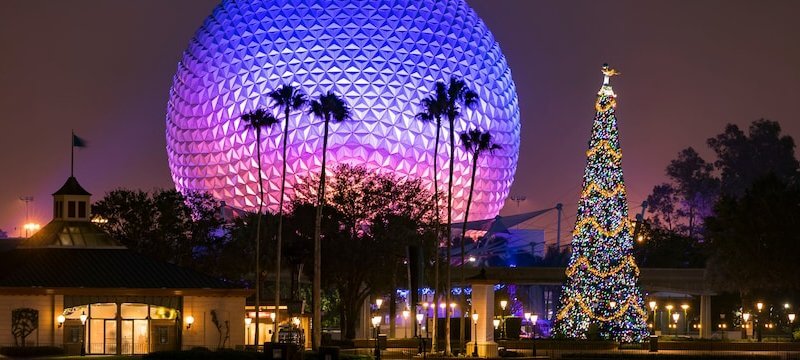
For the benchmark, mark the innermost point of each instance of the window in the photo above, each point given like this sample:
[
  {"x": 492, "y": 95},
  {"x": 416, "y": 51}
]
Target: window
[
  {"x": 71, "y": 209},
  {"x": 81, "y": 209},
  {"x": 75, "y": 334}
]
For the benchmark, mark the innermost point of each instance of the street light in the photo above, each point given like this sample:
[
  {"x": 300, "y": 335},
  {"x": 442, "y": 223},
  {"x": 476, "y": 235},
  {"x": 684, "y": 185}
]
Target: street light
[
  {"x": 759, "y": 306},
  {"x": 675, "y": 317},
  {"x": 791, "y": 321},
  {"x": 746, "y": 318},
  {"x": 376, "y": 323},
  {"x": 83, "y": 332},
  {"x": 475, "y": 335},
  {"x": 685, "y": 308},
  {"x": 61, "y": 320},
  {"x": 503, "y": 304},
  {"x": 420, "y": 317},
  {"x": 653, "y": 307},
  {"x": 247, "y": 321}
]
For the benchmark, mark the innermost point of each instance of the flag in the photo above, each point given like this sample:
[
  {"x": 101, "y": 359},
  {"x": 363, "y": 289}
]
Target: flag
[{"x": 78, "y": 142}]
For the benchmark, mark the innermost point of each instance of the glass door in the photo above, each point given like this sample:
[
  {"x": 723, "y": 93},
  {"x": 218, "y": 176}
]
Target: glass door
[{"x": 111, "y": 337}]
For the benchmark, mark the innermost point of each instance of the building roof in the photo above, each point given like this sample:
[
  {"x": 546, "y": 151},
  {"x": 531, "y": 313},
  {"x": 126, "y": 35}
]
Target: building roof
[
  {"x": 62, "y": 233},
  {"x": 97, "y": 268},
  {"x": 72, "y": 187}
]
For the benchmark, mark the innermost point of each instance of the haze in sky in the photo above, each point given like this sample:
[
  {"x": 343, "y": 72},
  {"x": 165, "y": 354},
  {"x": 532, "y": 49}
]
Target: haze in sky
[{"x": 104, "y": 68}]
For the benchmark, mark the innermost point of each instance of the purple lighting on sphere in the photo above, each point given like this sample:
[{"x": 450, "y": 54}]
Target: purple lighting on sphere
[{"x": 382, "y": 56}]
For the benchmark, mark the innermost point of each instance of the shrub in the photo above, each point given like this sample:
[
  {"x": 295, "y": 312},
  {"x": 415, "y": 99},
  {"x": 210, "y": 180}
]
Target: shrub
[{"x": 31, "y": 351}]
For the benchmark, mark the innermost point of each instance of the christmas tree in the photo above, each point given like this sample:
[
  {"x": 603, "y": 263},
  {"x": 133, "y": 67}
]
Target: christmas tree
[{"x": 600, "y": 297}]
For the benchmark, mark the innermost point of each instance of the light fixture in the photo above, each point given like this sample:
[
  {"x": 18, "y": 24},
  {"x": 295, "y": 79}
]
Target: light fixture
[
  {"x": 760, "y": 306},
  {"x": 475, "y": 317},
  {"x": 376, "y": 320},
  {"x": 786, "y": 306},
  {"x": 791, "y": 318},
  {"x": 496, "y": 323},
  {"x": 527, "y": 316},
  {"x": 503, "y": 304},
  {"x": 534, "y": 319},
  {"x": 746, "y": 317},
  {"x": 652, "y": 305},
  {"x": 189, "y": 322},
  {"x": 378, "y": 302},
  {"x": 296, "y": 321},
  {"x": 613, "y": 304},
  {"x": 272, "y": 316},
  {"x": 675, "y": 317},
  {"x": 420, "y": 316},
  {"x": 83, "y": 318},
  {"x": 472, "y": 258},
  {"x": 452, "y": 306},
  {"x": 61, "y": 320},
  {"x": 406, "y": 314},
  {"x": 248, "y": 320},
  {"x": 442, "y": 305},
  {"x": 685, "y": 307}
]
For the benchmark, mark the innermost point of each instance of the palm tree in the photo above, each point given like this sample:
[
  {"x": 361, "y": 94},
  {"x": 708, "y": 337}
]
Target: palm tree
[
  {"x": 257, "y": 120},
  {"x": 458, "y": 94},
  {"x": 287, "y": 98},
  {"x": 433, "y": 107},
  {"x": 328, "y": 107},
  {"x": 475, "y": 142}
]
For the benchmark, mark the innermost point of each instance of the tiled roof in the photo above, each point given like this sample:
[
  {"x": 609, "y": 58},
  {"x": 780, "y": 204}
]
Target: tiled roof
[
  {"x": 72, "y": 187},
  {"x": 97, "y": 268}
]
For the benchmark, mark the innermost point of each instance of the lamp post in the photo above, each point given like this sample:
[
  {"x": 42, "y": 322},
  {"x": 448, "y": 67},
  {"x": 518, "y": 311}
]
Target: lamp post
[
  {"x": 376, "y": 323},
  {"x": 475, "y": 335},
  {"x": 685, "y": 308},
  {"x": 675, "y": 317},
  {"x": 503, "y": 304},
  {"x": 496, "y": 323},
  {"x": 791, "y": 323},
  {"x": 83, "y": 333},
  {"x": 247, "y": 321},
  {"x": 532, "y": 319},
  {"x": 653, "y": 307},
  {"x": 746, "y": 318},
  {"x": 420, "y": 317},
  {"x": 759, "y": 306}
]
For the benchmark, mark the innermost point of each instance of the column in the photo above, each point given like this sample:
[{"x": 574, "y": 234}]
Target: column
[
  {"x": 705, "y": 316},
  {"x": 483, "y": 304}
]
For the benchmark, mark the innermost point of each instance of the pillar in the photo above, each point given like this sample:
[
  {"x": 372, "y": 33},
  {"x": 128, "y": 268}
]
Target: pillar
[
  {"x": 705, "y": 317},
  {"x": 483, "y": 304}
]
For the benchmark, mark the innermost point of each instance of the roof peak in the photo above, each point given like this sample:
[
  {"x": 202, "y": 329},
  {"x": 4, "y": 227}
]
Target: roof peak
[{"x": 72, "y": 187}]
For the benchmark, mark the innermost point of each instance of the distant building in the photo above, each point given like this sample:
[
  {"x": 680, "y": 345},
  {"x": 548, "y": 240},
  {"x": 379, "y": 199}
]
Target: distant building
[{"x": 77, "y": 288}]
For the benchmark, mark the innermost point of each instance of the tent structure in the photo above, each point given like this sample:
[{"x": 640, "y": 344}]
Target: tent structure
[{"x": 493, "y": 240}]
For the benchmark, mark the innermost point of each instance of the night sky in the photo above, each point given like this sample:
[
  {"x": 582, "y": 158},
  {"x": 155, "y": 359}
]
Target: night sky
[{"x": 104, "y": 68}]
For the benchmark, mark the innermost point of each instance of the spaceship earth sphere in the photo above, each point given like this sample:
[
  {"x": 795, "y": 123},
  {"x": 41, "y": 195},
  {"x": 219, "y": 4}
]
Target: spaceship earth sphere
[{"x": 381, "y": 56}]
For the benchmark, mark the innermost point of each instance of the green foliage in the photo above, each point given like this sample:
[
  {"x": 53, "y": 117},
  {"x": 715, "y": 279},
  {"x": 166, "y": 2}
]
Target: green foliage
[
  {"x": 369, "y": 220},
  {"x": 165, "y": 224},
  {"x": 661, "y": 248},
  {"x": 754, "y": 240},
  {"x": 30, "y": 351}
]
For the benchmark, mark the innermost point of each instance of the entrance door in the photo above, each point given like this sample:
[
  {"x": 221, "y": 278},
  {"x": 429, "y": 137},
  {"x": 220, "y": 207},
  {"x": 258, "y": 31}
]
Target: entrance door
[{"x": 134, "y": 337}]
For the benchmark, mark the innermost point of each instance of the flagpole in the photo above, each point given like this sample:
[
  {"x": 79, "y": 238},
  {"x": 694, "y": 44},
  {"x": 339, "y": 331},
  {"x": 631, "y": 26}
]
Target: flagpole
[{"x": 72, "y": 155}]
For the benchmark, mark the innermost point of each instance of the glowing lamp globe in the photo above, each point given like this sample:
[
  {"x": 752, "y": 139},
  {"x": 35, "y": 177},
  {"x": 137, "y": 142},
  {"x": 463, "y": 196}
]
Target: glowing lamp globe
[{"x": 382, "y": 56}]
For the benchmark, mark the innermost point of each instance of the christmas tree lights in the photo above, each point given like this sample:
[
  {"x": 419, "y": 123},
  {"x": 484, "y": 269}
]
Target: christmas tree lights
[{"x": 601, "y": 292}]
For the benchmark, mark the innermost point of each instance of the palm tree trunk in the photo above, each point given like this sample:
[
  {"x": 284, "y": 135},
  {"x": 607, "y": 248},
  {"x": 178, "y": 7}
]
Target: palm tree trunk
[
  {"x": 316, "y": 338},
  {"x": 279, "y": 243},
  {"x": 258, "y": 233},
  {"x": 462, "y": 336},
  {"x": 448, "y": 349},
  {"x": 438, "y": 230}
]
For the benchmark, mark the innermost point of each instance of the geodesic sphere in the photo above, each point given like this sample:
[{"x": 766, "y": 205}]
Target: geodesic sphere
[{"x": 382, "y": 56}]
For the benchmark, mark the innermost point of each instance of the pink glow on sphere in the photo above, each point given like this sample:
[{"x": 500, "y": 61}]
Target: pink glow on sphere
[{"x": 383, "y": 57}]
